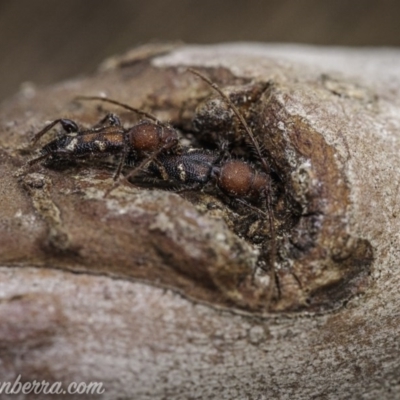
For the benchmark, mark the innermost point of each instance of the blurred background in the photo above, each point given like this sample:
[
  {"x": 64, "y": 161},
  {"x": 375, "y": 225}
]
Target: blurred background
[{"x": 44, "y": 41}]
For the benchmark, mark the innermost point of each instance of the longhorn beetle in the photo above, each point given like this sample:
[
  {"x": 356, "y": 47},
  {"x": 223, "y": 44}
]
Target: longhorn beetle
[{"x": 107, "y": 138}]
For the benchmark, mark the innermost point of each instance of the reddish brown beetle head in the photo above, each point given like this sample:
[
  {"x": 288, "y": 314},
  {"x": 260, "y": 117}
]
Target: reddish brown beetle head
[{"x": 260, "y": 185}]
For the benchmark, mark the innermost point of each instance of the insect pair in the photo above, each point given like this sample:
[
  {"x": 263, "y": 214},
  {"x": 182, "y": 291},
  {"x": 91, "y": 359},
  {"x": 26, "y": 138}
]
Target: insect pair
[
  {"x": 155, "y": 147},
  {"x": 107, "y": 138}
]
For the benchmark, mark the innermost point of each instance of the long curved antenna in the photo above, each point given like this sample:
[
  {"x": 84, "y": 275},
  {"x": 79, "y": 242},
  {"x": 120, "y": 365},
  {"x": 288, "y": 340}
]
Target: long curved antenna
[
  {"x": 258, "y": 151},
  {"x": 117, "y": 103},
  {"x": 237, "y": 113}
]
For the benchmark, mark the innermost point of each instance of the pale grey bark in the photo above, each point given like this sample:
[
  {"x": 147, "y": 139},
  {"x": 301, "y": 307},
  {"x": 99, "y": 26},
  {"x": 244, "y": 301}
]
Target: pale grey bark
[{"x": 109, "y": 324}]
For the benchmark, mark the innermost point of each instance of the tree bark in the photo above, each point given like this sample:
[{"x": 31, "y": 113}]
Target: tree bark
[{"x": 160, "y": 294}]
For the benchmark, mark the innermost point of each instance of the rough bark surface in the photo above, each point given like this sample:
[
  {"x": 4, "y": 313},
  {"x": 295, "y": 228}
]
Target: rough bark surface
[{"x": 154, "y": 293}]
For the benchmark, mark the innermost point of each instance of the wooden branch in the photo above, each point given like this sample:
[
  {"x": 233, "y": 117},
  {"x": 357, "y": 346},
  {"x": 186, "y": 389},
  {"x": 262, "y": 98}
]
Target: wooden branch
[{"x": 154, "y": 293}]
